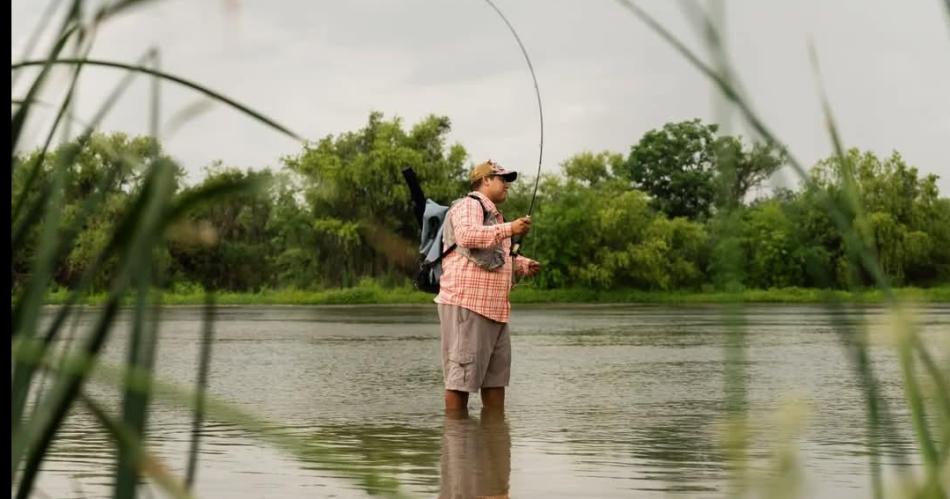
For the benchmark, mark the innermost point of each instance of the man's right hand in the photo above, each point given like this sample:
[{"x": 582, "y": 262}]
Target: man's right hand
[{"x": 521, "y": 226}]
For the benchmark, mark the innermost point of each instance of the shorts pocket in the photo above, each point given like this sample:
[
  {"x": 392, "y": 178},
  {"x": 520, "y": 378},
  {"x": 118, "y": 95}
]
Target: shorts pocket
[
  {"x": 461, "y": 370},
  {"x": 462, "y": 357}
]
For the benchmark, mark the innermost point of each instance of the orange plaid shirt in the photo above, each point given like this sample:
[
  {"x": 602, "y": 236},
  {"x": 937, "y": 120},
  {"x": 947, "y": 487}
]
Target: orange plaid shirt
[{"x": 465, "y": 284}]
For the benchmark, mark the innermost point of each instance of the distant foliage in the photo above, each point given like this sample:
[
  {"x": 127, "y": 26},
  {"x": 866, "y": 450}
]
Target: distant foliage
[{"x": 673, "y": 215}]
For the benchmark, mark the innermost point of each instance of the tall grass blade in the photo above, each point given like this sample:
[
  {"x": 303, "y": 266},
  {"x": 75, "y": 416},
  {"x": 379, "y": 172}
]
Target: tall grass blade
[
  {"x": 34, "y": 440},
  {"x": 64, "y": 110},
  {"x": 70, "y": 115},
  {"x": 918, "y": 414},
  {"x": 328, "y": 457},
  {"x": 182, "y": 116},
  {"x": 22, "y": 112},
  {"x": 126, "y": 238},
  {"x": 178, "y": 209},
  {"x": 69, "y": 102},
  {"x": 87, "y": 207},
  {"x": 28, "y": 303},
  {"x": 907, "y": 337},
  {"x": 141, "y": 458},
  {"x": 730, "y": 91},
  {"x": 943, "y": 391},
  {"x": 154, "y": 116},
  {"x": 35, "y": 35},
  {"x": 27, "y": 309},
  {"x": 855, "y": 242},
  {"x": 128, "y": 230},
  {"x": 201, "y": 386},
  {"x": 135, "y": 400},
  {"x": 144, "y": 337},
  {"x": 176, "y": 79},
  {"x": 100, "y": 115},
  {"x": 117, "y": 7},
  {"x": 106, "y": 107},
  {"x": 64, "y": 353},
  {"x": 858, "y": 347}
]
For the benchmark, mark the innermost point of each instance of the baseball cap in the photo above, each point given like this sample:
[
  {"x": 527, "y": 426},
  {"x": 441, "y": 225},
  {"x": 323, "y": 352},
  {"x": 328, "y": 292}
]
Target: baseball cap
[{"x": 490, "y": 167}]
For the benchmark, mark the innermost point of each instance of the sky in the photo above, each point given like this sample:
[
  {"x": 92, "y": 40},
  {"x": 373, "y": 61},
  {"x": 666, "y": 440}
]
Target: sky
[{"x": 321, "y": 67}]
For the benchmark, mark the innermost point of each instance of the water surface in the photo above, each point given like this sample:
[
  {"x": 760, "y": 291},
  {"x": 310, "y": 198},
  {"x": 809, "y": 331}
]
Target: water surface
[{"x": 605, "y": 401}]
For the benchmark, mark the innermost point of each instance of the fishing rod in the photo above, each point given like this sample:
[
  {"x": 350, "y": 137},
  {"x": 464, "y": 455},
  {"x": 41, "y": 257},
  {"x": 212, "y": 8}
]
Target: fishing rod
[{"x": 516, "y": 241}]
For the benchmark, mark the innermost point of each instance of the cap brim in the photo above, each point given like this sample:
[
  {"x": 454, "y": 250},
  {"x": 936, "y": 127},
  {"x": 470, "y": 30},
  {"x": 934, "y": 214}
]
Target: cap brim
[{"x": 510, "y": 176}]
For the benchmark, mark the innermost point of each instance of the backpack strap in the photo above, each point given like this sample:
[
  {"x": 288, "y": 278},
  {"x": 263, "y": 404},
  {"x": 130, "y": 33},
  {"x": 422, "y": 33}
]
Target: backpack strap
[{"x": 452, "y": 247}]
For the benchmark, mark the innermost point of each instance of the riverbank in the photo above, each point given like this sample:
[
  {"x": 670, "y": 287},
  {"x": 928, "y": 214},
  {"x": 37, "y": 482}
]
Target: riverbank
[{"x": 522, "y": 294}]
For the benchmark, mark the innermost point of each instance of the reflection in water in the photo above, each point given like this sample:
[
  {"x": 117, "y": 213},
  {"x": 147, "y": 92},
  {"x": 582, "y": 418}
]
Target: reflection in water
[
  {"x": 476, "y": 456},
  {"x": 371, "y": 456}
]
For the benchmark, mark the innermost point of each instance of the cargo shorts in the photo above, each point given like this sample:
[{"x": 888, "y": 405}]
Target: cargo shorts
[{"x": 476, "y": 351}]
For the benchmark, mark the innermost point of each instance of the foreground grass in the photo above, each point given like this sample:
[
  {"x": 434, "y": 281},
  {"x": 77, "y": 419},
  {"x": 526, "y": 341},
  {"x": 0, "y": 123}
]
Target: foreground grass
[{"x": 523, "y": 294}]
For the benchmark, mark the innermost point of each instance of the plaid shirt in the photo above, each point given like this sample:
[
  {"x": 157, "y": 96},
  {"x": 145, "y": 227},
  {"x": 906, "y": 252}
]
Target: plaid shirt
[{"x": 465, "y": 284}]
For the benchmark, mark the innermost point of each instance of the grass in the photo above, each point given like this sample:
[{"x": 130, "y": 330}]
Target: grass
[
  {"x": 847, "y": 215},
  {"x": 377, "y": 295},
  {"x": 35, "y": 426}
]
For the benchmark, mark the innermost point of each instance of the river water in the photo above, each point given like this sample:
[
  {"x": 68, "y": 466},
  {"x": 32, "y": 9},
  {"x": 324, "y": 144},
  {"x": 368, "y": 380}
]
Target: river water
[{"x": 605, "y": 401}]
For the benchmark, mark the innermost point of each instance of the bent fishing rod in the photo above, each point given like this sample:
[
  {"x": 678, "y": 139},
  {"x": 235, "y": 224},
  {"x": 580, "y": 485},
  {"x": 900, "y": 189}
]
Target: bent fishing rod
[{"x": 516, "y": 241}]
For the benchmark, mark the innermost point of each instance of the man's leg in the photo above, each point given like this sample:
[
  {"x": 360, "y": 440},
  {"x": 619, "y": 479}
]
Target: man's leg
[
  {"x": 493, "y": 398},
  {"x": 499, "y": 369},
  {"x": 457, "y": 400}
]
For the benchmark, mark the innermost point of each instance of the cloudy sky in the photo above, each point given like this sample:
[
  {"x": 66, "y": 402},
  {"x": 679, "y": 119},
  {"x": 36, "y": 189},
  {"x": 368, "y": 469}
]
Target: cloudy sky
[{"x": 320, "y": 67}]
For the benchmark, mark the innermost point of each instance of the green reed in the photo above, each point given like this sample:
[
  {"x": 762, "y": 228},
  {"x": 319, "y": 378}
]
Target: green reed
[
  {"x": 56, "y": 379},
  {"x": 156, "y": 207},
  {"x": 847, "y": 215},
  {"x": 37, "y": 206}
]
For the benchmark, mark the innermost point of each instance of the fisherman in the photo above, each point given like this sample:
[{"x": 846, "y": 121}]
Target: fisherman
[{"x": 474, "y": 287}]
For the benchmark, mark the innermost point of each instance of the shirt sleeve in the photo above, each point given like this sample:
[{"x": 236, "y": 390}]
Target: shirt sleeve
[{"x": 470, "y": 230}]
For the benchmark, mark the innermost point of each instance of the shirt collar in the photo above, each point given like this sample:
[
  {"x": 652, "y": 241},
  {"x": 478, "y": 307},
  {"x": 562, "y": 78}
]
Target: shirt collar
[{"x": 489, "y": 205}]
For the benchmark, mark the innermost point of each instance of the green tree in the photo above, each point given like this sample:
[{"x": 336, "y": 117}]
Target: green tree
[
  {"x": 606, "y": 235},
  {"x": 897, "y": 213},
  {"x": 689, "y": 171},
  {"x": 237, "y": 255},
  {"x": 740, "y": 169},
  {"x": 591, "y": 168},
  {"x": 358, "y": 201},
  {"x": 110, "y": 166},
  {"x": 675, "y": 165}
]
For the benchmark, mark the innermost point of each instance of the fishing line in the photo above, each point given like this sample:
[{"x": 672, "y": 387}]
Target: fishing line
[{"x": 516, "y": 244}]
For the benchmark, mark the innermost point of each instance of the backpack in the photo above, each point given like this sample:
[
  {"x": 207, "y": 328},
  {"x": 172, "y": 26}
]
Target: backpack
[{"x": 430, "y": 247}]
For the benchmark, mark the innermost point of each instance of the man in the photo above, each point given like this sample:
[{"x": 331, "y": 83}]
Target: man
[{"x": 474, "y": 286}]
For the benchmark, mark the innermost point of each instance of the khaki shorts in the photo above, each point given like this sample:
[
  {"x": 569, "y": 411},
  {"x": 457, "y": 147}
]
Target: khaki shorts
[{"x": 476, "y": 351}]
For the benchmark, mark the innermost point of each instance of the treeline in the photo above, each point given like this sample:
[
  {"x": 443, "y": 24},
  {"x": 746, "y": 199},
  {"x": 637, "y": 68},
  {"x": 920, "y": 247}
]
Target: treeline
[{"x": 675, "y": 212}]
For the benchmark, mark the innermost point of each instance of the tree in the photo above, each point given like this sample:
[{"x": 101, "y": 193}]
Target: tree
[
  {"x": 675, "y": 165},
  {"x": 607, "y": 236},
  {"x": 239, "y": 255},
  {"x": 690, "y": 172},
  {"x": 109, "y": 167},
  {"x": 740, "y": 169},
  {"x": 591, "y": 168},
  {"x": 896, "y": 214},
  {"x": 357, "y": 198}
]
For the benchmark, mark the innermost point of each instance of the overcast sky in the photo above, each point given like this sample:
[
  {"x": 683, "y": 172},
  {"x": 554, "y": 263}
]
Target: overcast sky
[{"x": 320, "y": 67}]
